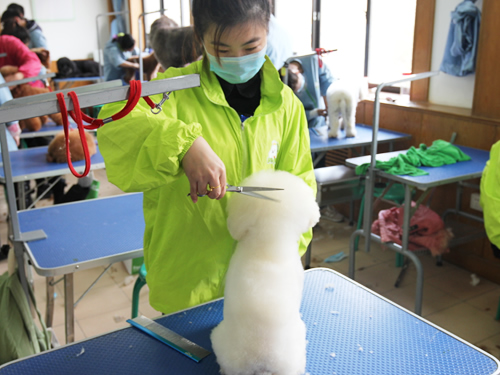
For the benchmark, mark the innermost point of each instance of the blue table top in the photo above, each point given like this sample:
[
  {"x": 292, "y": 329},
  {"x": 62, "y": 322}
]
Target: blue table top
[
  {"x": 446, "y": 174},
  {"x": 350, "y": 331},
  {"x": 31, "y": 163},
  {"x": 320, "y": 142},
  {"x": 48, "y": 129},
  {"x": 85, "y": 234}
]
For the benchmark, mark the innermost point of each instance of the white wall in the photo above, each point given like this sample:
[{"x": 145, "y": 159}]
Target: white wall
[
  {"x": 76, "y": 38},
  {"x": 445, "y": 89}
]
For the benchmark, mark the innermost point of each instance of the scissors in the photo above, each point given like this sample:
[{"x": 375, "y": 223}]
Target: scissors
[{"x": 249, "y": 190}]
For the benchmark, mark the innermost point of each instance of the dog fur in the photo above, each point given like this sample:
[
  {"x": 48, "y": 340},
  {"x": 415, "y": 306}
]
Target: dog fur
[
  {"x": 262, "y": 331},
  {"x": 56, "y": 152},
  {"x": 35, "y": 123},
  {"x": 76, "y": 68},
  {"x": 342, "y": 97}
]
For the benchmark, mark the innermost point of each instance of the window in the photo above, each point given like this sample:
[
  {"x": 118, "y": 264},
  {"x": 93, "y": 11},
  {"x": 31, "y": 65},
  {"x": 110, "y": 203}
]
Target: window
[
  {"x": 392, "y": 24},
  {"x": 343, "y": 27},
  {"x": 296, "y": 17},
  {"x": 174, "y": 9}
]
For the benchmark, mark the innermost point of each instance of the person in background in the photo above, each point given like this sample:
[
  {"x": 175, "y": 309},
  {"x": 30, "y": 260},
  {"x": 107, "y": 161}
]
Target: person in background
[
  {"x": 20, "y": 62},
  {"x": 117, "y": 53},
  {"x": 204, "y": 138},
  {"x": 16, "y": 12},
  {"x": 310, "y": 82}
]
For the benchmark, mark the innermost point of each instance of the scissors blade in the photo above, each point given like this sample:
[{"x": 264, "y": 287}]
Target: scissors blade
[
  {"x": 244, "y": 189},
  {"x": 260, "y": 196}
]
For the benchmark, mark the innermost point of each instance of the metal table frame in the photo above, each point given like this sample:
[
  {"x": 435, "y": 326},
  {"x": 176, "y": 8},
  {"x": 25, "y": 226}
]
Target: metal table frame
[
  {"x": 408, "y": 183},
  {"x": 46, "y": 104}
]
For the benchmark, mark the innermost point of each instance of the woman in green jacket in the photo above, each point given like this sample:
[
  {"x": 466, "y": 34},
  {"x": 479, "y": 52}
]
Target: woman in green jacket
[{"x": 241, "y": 120}]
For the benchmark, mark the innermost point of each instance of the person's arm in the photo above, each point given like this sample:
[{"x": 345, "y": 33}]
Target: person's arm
[
  {"x": 27, "y": 62},
  {"x": 38, "y": 40},
  {"x": 295, "y": 155},
  {"x": 143, "y": 151},
  {"x": 129, "y": 64}
]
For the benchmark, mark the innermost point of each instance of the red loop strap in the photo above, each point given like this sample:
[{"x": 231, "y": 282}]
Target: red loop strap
[
  {"x": 64, "y": 113},
  {"x": 78, "y": 116},
  {"x": 320, "y": 52}
]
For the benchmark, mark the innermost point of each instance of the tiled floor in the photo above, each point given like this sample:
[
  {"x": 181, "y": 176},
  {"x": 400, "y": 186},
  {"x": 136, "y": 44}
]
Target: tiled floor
[{"x": 450, "y": 300}]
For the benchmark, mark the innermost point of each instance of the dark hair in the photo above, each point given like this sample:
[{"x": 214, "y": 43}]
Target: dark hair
[
  {"x": 125, "y": 41},
  {"x": 10, "y": 27},
  {"x": 293, "y": 80},
  {"x": 175, "y": 46},
  {"x": 225, "y": 14},
  {"x": 16, "y": 8},
  {"x": 10, "y": 14}
]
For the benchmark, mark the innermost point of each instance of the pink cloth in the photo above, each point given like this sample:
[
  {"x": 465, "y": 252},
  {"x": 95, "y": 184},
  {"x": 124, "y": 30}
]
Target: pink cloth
[
  {"x": 20, "y": 55},
  {"x": 426, "y": 229}
]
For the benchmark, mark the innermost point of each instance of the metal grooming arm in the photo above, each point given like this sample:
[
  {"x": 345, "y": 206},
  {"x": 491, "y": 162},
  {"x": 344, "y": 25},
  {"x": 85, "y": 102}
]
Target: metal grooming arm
[
  {"x": 370, "y": 178},
  {"x": 27, "y": 80},
  {"x": 47, "y": 104}
]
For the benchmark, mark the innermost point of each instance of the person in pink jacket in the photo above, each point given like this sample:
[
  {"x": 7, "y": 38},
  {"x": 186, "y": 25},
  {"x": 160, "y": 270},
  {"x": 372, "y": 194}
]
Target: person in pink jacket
[{"x": 20, "y": 62}]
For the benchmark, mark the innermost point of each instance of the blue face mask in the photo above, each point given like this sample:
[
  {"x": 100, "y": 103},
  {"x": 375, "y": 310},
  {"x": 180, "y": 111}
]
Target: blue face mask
[{"x": 238, "y": 69}]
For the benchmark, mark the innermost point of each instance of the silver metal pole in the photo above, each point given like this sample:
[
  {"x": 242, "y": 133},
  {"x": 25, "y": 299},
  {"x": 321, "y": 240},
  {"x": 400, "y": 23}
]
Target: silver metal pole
[
  {"x": 101, "y": 63},
  {"x": 27, "y": 80},
  {"x": 49, "y": 104},
  {"x": 369, "y": 182}
]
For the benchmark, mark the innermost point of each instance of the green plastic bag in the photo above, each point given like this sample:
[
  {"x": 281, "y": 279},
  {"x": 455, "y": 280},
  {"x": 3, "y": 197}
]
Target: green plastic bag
[{"x": 19, "y": 335}]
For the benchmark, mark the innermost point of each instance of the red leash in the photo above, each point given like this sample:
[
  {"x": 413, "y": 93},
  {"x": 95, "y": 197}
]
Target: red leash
[
  {"x": 78, "y": 116},
  {"x": 320, "y": 52}
]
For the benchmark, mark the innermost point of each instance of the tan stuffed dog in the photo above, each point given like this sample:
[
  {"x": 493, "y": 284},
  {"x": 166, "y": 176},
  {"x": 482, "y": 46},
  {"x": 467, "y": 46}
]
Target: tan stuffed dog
[
  {"x": 57, "y": 147},
  {"x": 35, "y": 123}
]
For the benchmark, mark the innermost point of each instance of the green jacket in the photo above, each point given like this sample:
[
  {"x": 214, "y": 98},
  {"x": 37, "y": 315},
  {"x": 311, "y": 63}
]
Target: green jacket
[
  {"x": 187, "y": 246},
  {"x": 490, "y": 195}
]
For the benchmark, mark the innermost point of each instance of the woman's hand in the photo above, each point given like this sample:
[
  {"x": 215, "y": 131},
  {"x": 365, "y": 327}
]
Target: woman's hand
[{"x": 204, "y": 170}]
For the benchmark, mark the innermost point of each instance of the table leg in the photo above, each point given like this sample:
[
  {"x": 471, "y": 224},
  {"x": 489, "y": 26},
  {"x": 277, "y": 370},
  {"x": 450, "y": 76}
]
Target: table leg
[
  {"x": 49, "y": 311},
  {"x": 69, "y": 311},
  {"x": 406, "y": 252}
]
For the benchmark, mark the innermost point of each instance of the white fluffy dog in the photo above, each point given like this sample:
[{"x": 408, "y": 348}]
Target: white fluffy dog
[
  {"x": 262, "y": 332},
  {"x": 342, "y": 97}
]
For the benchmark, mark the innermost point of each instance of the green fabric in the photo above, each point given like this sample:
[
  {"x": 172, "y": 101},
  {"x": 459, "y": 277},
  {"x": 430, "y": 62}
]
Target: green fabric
[
  {"x": 440, "y": 153},
  {"x": 187, "y": 246},
  {"x": 490, "y": 195},
  {"x": 19, "y": 336}
]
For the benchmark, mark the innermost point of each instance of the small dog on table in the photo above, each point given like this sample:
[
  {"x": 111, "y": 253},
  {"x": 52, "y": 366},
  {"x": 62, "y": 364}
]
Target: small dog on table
[
  {"x": 342, "y": 97},
  {"x": 56, "y": 152},
  {"x": 262, "y": 331}
]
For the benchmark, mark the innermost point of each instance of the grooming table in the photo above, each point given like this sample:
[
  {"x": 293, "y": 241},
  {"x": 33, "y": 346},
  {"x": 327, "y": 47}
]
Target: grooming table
[
  {"x": 31, "y": 163},
  {"x": 350, "y": 331},
  {"x": 71, "y": 81},
  {"x": 50, "y": 128},
  {"x": 321, "y": 143},
  {"x": 437, "y": 176},
  {"x": 82, "y": 235}
]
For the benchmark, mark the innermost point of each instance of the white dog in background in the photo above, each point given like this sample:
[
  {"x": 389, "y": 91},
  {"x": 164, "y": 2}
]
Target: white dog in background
[
  {"x": 262, "y": 331},
  {"x": 342, "y": 97}
]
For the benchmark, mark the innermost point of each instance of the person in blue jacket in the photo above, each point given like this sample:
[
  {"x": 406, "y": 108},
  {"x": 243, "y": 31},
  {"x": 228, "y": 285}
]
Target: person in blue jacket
[
  {"x": 117, "y": 54},
  {"x": 310, "y": 81},
  {"x": 37, "y": 37}
]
